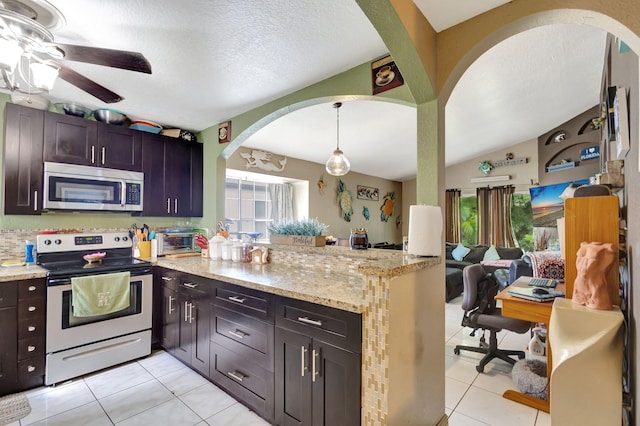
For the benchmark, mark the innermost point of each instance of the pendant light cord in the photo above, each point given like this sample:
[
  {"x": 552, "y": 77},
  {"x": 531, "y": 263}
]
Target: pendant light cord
[{"x": 337, "y": 106}]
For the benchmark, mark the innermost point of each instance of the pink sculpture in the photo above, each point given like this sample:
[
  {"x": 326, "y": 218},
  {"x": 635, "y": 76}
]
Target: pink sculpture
[{"x": 590, "y": 287}]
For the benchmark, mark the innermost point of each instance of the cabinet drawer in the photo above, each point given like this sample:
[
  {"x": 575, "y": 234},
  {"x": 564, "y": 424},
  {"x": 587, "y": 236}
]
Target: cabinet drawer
[
  {"x": 334, "y": 326},
  {"x": 250, "y": 302},
  {"x": 8, "y": 294},
  {"x": 248, "y": 337},
  {"x": 31, "y": 327},
  {"x": 31, "y": 309},
  {"x": 31, "y": 289},
  {"x": 167, "y": 278},
  {"x": 29, "y": 348},
  {"x": 247, "y": 381},
  {"x": 31, "y": 372}
]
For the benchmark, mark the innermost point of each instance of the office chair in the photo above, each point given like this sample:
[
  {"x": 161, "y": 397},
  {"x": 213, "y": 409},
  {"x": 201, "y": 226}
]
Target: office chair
[{"x": 487, "y": 321}]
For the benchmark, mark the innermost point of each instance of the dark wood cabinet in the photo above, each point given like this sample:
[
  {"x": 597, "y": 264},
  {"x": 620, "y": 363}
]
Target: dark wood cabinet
[
  {"x": 23, "y": 166},
  {"x": 119, "y": 147},
  {"x": 173, "y": 175},
  {"x": 242, "y": 345},
  {"x": 165, "y": 309},
  {"x": 75, "y": 140},
  {"x": 22, "y": 353},
  {"x": 31, "y": 332},
  {"x": 181, "y": 317},
  {"x": 8, "y": 337},
  {"x": 317, "y": 382}
]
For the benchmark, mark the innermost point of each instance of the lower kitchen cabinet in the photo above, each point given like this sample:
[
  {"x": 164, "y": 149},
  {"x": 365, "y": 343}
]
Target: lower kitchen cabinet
[
  {"x": 290, "y": 361},
  {"x": 22, "y": 352},
  {"x": 182, "y": 317},
  {"x": 242, "y": 346},
  {"x": 317, "y": 382}
]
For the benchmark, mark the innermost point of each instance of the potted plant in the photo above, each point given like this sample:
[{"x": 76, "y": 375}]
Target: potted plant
[{"x": 304, "y": 232}]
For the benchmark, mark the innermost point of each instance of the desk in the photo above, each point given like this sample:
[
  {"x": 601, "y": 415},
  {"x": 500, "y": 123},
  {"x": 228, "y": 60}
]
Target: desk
[{"x": 528, "y": 310}]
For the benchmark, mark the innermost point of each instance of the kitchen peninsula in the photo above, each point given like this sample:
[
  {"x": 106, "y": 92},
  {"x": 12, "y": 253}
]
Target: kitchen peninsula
[{"x": 399, "y": 300}]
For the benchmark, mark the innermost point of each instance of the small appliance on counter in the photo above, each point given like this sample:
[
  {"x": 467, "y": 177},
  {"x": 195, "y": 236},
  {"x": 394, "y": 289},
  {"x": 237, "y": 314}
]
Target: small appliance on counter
[
  {"x": 176, "y": 241},
  {"x": 358, "y": 240}
]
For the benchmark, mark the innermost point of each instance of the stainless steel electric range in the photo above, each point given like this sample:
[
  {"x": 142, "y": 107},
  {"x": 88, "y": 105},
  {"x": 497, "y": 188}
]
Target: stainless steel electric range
[{"x": 78, "y": 344}]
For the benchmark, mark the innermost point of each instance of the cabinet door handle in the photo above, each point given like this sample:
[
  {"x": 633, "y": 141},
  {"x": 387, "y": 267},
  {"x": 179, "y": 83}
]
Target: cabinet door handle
[
  {"x": 32, "y": 288},
  {"x": 303, "y": 366},
  {"x": 308, "y": 320},
  {"x": 170, "y": 302},
  {"x": 31, "y": 308},
  {"x": 235, "y": 375},
  {"x": 237, "y": 299},
  {"x": 175, "y": 205},
  {"x": 168, "y": 205},
  {"x": 35, "y": 201},
  {"x": 190, "y": 285},
  {"x": 93, "y": 154},
  {"x": 238, "y": 333},
  {"x": 31, "y": 328},
  {"x": 314, "y": 373},
  {"x": 190, "y": 313},
  {"x": 31, "y": 369},
  {"x": 31, "y": 348},
  {"x": 104, "y": 154},
  {"x": 186, "y": 311}
]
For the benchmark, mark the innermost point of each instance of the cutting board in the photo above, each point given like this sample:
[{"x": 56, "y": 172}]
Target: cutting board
[{"x": 178, "y": 255}]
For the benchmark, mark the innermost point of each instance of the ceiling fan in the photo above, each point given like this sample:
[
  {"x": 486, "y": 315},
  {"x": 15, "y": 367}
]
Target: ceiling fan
[{"x": 30, "y": 59}]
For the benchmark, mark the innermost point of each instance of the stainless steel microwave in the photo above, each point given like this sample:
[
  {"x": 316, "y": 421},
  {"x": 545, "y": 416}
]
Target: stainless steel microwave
[{"x": 74, "y": 187}]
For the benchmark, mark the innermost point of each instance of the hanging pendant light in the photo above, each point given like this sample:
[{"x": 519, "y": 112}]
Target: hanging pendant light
[{"x": 337, "y": 164}]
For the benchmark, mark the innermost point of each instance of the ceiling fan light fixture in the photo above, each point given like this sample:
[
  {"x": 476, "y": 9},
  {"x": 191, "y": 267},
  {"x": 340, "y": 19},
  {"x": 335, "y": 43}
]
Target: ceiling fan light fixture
[
  {"x": 10, "y": 53},
  {"x": 337, "y": 164},
  {"x": 44, "y": 75}
]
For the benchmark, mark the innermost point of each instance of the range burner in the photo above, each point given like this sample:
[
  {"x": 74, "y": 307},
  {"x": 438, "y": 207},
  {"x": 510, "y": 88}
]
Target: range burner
[{"x": 62, "y": 254}]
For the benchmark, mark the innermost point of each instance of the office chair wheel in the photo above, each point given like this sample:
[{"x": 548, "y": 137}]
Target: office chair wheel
[
  {"x": 456, "y": 351},
  {"x": 521, "y": 356},
  {"x": 480, "y": 368}
]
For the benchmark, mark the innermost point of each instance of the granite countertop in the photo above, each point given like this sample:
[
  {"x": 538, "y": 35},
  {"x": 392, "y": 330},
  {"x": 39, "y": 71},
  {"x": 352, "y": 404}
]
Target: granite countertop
[
  {"x": 316, "y": 285},
  {"x": 14, "y": 273}
]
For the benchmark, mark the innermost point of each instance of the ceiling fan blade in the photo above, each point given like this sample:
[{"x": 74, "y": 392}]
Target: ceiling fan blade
[
  {"x": 132, "y": 61},
  {"x": 89, "y": 86}
]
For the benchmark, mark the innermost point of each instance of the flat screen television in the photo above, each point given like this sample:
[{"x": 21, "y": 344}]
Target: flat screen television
[{"x": 546, "y": 204}]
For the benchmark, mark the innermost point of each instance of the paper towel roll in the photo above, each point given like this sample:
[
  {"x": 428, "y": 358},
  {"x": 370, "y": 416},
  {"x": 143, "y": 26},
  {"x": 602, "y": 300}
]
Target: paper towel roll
[
  {"x": 154, "y": 248},
  {"x": 425, "y": 230}
]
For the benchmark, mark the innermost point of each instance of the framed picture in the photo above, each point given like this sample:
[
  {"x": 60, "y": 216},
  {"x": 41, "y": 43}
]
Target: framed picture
[
  {"x": 385, "y": 75},
  {"x": 621, "y": 123},
  {"x": 368, "y": 193},
  {"x": 224, "y": 132}
]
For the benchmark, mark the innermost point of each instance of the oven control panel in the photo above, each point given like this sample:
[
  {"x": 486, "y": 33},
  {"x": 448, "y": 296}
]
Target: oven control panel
[{"x": 56, "y": 243}]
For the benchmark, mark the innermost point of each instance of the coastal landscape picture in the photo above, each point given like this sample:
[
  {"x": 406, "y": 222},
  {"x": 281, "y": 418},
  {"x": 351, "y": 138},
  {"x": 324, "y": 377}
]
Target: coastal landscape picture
[{"x": 546, "y": 204}]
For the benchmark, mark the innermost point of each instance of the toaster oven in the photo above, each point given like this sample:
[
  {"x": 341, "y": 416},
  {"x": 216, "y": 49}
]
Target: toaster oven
[{"x": 176, "y": 242}]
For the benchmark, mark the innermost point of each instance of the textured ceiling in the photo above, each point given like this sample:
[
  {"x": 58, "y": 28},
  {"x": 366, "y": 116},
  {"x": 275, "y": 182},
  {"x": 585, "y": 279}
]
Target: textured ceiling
[{"x": 214, "y": 59}]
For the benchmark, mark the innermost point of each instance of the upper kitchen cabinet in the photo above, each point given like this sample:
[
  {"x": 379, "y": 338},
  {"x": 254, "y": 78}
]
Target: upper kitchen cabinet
[
  {"x": 75, "y": 140},
  {"x": 23, "y": 167},
  {"x": 172, "y": 176}
]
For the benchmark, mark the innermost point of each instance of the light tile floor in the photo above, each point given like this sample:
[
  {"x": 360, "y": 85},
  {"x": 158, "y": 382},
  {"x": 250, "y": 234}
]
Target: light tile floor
[{"x": 160, "y": 390}]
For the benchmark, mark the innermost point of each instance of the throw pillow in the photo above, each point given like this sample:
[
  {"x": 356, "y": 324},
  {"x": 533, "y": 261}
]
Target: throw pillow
[
  {"x": 491, "y": 254},
  {"x": 460, "y": 252}
]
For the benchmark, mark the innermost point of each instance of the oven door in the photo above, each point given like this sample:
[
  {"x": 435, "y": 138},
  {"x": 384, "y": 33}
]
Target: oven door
[{"x": 65, "y": 331}]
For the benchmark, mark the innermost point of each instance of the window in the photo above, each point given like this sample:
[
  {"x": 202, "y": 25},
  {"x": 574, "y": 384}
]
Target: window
[
  {"x": 247, "y": 207},
  {"x": 521, "y": 221}
]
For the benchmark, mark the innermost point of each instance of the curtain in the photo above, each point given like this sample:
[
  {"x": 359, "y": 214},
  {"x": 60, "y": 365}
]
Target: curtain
[
  {"x": 452, "y": 216},
  {"x": 281, "y": 201},
  {"x": 494, "y": 216}
]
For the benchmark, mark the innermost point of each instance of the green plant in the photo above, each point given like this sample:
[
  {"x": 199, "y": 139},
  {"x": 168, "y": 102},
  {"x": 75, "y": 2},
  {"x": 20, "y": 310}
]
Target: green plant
[{"x": 307, "y": 227}]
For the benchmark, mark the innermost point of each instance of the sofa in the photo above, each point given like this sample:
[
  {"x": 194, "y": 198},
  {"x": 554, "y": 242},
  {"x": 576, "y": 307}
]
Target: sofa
[{"x": 476, "y": 254}]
